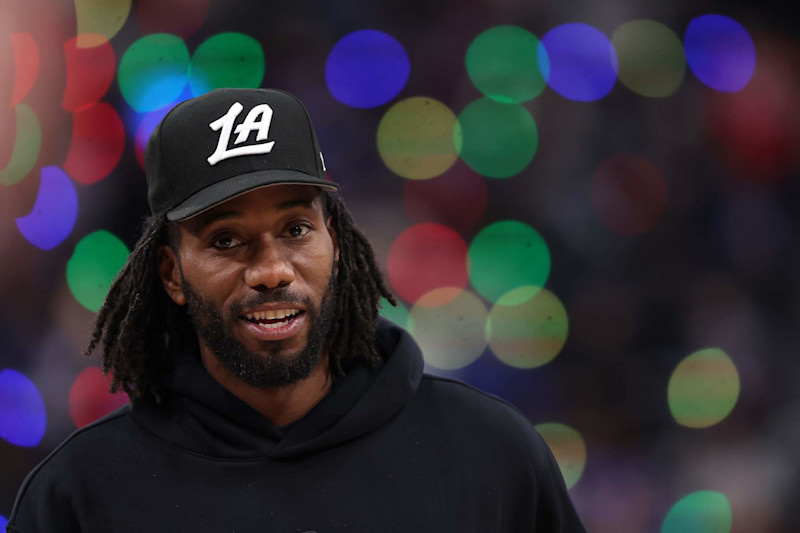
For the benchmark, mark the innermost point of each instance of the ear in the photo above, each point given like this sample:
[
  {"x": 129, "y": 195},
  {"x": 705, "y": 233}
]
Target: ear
[
  {"x": 335, "y": 239},
  {"x": 170, "y": 274}
]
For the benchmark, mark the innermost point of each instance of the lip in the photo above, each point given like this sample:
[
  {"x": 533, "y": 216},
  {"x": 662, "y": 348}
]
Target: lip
[
  {"x": 272, "y": 307},
  {"x": 274, "y": 334}
]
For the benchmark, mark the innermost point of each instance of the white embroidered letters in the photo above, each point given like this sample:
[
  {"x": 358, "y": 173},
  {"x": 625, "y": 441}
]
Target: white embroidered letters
[{"x": 262, "y": 113}]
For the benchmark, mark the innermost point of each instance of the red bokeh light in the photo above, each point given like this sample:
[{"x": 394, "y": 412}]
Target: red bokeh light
[
  {"x": 90, "y": 72},
  {"x": 629, "y": 194},
  {"x": 89, "y": 398},
  {"x": 456, "y": 199},
  {"x": 98, "y": 138},
  {"x": 178, "y": 17},
  {"x": 26, "y": 65},
  {"x": 426, "y": 257},
  {"x": 756, "y": 131}
]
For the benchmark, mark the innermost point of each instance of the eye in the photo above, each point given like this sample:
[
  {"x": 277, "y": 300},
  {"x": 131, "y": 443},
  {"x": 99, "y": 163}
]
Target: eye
[
  {"x": 297, "y": 230},
  {"x": 225, "y": 242}
]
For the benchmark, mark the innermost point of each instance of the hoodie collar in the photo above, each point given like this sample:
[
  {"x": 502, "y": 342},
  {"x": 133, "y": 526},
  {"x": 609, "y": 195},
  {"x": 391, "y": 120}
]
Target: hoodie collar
[{"x": 201, "y": 416}]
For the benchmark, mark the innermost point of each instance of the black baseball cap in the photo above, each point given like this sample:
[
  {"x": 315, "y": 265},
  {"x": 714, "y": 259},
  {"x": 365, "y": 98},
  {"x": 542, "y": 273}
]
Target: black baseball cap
[{"x": 227, "y": 142}]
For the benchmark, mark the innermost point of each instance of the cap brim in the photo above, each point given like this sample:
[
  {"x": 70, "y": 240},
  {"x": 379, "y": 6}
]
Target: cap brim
[{"x": 237, "y": 185}]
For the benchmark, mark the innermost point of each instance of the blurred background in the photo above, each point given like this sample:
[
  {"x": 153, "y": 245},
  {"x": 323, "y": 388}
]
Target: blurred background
[{"x": 589, "y": 209}]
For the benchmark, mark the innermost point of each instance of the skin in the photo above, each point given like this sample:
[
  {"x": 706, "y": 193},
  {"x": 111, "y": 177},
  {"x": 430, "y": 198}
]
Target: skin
[{"x": 276, "y": 236}]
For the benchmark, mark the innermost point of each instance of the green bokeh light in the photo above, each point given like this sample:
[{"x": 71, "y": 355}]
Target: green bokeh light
[
  {"x": 27, "y": 146},
  {"x": 528, "y": 334},
  {"x": 227, "y": 60},
  {"x": 97, "y": 259},
  {"x": 499, "y": 140},
  {"x": 153, "y": 71},
  {"x": 503, "y": 63},
  {"x": 651, "y": 58},
  {"x": 450, "y": 335},
  {"x": 399, "y": 315},
  {"x": 703, "y": 389},
  {"x": 419, "y": 138},
  {"x": 567, "y": 447},
  {"x": 704, "y": 511},
  {"x": 508, "y": 255}
]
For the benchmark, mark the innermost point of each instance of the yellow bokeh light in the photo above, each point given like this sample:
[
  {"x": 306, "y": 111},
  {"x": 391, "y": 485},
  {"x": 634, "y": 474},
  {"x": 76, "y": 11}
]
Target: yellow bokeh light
[
  {"x": 527, "y": 333},
  {"x": 451, "y": 334},
  {"x": 568, "y": 448},
  {"x": 100, "y": 20},
  {"x": 419, "y": 138}
]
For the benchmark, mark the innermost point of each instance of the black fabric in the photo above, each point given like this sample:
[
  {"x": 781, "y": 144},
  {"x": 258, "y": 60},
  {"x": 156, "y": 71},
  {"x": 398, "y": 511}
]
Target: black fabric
[
  {"x": 183, "y": 176},
  {"x": 386, "y": 450}
]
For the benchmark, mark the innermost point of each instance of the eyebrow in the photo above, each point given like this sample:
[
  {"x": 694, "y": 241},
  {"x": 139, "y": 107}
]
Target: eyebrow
[{"x": 284, "y": 206}]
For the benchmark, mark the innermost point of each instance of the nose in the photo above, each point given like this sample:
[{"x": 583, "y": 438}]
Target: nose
[{"x": 269, "y": 267}]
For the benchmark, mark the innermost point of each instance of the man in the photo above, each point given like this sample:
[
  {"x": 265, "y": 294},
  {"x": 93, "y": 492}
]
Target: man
[{"x": 266, "y": 394}]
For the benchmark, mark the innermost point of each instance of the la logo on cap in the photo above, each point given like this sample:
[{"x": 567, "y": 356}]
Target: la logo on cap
[{"x": 258, "y": 119}]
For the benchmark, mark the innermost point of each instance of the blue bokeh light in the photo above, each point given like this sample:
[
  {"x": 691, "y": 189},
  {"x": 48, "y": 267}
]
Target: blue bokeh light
[
  {"x": 583, "y": 62},
  {"x": 53, "y": 215},
  {"x": 3, "y": 521},
  {"x": 22, "y": 414},
  {"x": 720, "y": 52},
  {"x": 367, "y": 68}
]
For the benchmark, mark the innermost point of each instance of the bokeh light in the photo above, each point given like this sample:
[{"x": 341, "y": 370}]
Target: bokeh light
[
  {"x": 527, "y": 334},
  {"x": 567, "y": 447},
  {"x": 53, "y": 215},
  {"x": 425, "y": 257},
  {"x": 153, "y": 71},
  {"x": 226, "y": 60},
  {"x": 26, "y": 65},
  {"x": 367, "y": 68},
  {"x": 507, "y": 255},
  {"x": 90, "y": 399},
  {"x": 703, "y": 511},
  {"x": 90, "y": 72},
  {"x": 629, "y": 194},
  {"x": 720, "y": 52},
  {"x": 22, "y": 415},
  {"x": 651, "y": 58},
  {"x": 179, "y": 17},
  {"x": 27, "y": 145},
  {"x": 419, "y": 138},
  {"x": 100, "y": 20},
  {"x": 703, "y": 388},
  {"x": 450, "y": 334},
  {"x": 456, "y": 199},
  {"x": 94, "y": 264},
  {"x": 499, "y": 140},
  {"x": 3, "y": 521},
  {"x": 397, "y": 314},
  {"x": 583, "y": 63},
  {"x": 756, "y": 131},
  {"x": 506, "y": 64},
  {"x": 98, "y": 140},
  {"x": 146, "y": 126}
]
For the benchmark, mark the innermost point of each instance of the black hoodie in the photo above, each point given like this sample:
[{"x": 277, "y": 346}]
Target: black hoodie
[{"x": 385, "y": 450}]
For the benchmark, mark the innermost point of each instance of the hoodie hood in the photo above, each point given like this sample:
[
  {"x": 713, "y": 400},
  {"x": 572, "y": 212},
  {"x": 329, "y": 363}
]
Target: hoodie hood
[{"x": 201, "y": 416}]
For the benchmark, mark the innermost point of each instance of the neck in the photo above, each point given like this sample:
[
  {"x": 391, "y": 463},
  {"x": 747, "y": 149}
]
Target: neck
[{"x": 281, "y": 405}]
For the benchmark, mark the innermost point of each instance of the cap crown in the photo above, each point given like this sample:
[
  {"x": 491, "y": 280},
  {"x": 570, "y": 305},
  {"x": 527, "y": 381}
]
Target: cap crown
[{"x": 258, "y": 136}]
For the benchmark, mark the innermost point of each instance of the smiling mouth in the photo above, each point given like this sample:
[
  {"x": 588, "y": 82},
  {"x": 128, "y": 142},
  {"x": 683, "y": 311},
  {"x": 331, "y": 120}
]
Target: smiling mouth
[{"x": 274, "y": 319}]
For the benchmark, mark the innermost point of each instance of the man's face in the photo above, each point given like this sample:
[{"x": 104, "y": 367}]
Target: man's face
[{"x": 257, "y": 274}]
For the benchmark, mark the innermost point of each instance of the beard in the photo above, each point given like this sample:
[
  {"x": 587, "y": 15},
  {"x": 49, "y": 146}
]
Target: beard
[{"x": 269, "y": 367}]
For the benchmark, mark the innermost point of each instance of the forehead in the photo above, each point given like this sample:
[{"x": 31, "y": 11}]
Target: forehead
[{"x": 265, "y": 201}]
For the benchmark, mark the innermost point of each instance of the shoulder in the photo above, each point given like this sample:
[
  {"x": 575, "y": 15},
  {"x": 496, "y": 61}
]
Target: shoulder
[
  {"x": 488, "y": 419},
  {"x": 51, "y": 483}
]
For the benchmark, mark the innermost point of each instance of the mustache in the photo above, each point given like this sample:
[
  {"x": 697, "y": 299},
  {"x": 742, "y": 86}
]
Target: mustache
[{"x": 279, "y": 294}]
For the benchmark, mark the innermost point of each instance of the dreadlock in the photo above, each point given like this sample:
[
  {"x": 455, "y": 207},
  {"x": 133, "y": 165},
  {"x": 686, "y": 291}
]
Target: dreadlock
[{"x": 140, "y": 327}]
